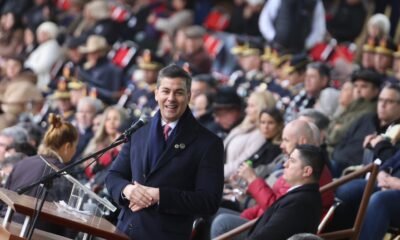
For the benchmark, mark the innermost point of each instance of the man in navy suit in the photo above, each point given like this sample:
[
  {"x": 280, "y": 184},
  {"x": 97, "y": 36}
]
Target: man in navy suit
[
  {"x": 165, "y": 176},
  {"x": 300, "y": 209}
]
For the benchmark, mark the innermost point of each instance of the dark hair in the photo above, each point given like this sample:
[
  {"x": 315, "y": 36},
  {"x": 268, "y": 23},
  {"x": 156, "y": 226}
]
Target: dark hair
[
  {"x": 277, "y": 115},
  {"x": 304, "y": 236},
  {"x": 319, "y": 119},
  {"x": 174, "y": 71},
  {"x": 312, "y": 156},
  {"x": 206, "y": 78},
  {"x": 393, "y": 86},
  {"x": 323, "y": 69},
  {"x": 274, "y": 113}
]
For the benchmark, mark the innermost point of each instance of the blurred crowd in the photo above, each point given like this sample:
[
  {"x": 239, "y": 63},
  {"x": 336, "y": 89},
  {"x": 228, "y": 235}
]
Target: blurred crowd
[{"x": 257, "y": 65}]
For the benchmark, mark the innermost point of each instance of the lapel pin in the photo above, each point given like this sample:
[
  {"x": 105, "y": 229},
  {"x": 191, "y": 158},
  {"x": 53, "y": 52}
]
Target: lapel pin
[{"x": 182, "y": 146}]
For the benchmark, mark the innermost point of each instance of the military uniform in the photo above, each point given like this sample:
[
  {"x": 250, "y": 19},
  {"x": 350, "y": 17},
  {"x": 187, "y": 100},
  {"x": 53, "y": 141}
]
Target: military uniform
[{"x": 139, "y": 94}]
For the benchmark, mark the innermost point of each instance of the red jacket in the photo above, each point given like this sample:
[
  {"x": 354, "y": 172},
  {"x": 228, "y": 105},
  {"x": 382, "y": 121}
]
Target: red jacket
[{"x": 265, "y": 196}]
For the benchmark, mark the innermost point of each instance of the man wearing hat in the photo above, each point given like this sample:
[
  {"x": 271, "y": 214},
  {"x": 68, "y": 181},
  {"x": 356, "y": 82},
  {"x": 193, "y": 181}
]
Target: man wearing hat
[
  {"x": 68, "y": 68},
  {"x": 62, "y": 98},
  {"x": 228, "y": 111},
  {"x": 99, "y": 72},
  {"x": 250, "y": 76},
  {"x": 368, "y": 53},
  {"x": 139, "y": 93},
  {"x": 194, "y": 53},
  {"x": 366, "y": 83},
  {"x": 270, "y": 71},
  {"x": 384, "y": 56},
  {"x": 19, "y": 97}
]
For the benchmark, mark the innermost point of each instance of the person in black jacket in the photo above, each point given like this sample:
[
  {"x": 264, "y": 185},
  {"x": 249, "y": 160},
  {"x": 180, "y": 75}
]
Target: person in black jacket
[{"x": 300, "y": 209}]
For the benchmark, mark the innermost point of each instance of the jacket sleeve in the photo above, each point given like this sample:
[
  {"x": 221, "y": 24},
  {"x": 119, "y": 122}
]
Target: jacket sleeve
[
  {"x": 263, "y": 194},
  {"x": 119, "y": 175},
  {"x": 206, "y": 197}
]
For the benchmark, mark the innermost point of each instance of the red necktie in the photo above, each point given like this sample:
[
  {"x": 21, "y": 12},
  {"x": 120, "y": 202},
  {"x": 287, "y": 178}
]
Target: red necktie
[{"x": 167, "y": 128}]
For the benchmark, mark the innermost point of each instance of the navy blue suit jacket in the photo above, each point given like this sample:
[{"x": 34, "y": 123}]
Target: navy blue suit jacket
[
  {"x": 189, "y": 174},
  {"x": 298, "y": 211}
]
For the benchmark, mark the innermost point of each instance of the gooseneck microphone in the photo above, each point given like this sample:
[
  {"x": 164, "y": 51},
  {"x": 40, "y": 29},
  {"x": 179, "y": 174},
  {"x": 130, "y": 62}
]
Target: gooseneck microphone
[{"x": 133, "y": 128}]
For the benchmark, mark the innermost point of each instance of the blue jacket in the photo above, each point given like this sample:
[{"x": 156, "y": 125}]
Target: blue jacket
[{"x": 189, "y": 174}]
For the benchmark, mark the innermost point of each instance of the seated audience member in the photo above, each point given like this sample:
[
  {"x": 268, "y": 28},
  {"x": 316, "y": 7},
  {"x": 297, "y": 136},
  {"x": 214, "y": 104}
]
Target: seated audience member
[
  {"x": 113, "y": 118},
  {"x": 300, "y": 209},
  {"x": 366, "y": 85},
  {"x": 227, "y": 110},
  {"x": 383, "y": 59},
  {"x": 45, "y": 55},
  {"x": 319, "y": 120},
  {"x": 295, "y": 133},
  {"x": 99, "y": 72},
  {"x": 349, "y": 152},
  {"x": 246, "y": 138},
  {"x": 202, "y": 109},
  {"x": 262, "y": 160},
  {"x": 57, "y": 148},
  {"x": 19, "y": 97},
  {"x": 345, "y": 98},
  {"x": 9, "y": 137},
  {"x": 85, "y": 113},
  {"x": 316, "y": 93},
  {"x": 383, "y": 209},
  {"x": 202, "y": 84}
]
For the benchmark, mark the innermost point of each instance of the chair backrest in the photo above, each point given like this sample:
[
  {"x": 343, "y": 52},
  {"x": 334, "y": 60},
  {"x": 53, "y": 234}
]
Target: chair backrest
[{"x": 352, "y": 233}]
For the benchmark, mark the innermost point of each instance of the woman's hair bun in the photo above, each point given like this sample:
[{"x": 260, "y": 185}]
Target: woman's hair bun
[{"x": 54, "y": 120}]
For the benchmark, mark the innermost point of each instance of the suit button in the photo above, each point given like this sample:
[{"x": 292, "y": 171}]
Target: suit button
[{"x": 144, "y": 175}]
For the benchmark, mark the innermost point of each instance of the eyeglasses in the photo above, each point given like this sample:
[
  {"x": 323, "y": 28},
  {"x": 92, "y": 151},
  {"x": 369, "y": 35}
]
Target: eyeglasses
[{"x": 388, "y": 101}]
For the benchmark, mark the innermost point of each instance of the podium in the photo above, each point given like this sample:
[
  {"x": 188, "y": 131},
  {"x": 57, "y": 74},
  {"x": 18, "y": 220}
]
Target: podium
[{"x": 23, "y": 204}]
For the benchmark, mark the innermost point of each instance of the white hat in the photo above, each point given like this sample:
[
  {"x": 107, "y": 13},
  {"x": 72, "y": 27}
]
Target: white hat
[{"x": 48, "y": 27}]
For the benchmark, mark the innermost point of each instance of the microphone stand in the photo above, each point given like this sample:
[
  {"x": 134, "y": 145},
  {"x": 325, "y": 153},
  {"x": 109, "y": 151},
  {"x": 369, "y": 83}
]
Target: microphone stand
[{"x": 48, "y": 179}]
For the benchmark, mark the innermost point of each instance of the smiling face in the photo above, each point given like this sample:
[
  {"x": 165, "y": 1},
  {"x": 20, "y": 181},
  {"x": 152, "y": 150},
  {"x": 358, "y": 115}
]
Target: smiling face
[{"x": 173, "y": 98}]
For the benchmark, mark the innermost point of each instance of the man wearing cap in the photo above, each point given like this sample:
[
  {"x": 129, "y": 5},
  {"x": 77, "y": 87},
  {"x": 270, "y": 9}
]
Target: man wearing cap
[
  {"x": 250, "y": 76},
  {"x": 368, "y": 53},
  {"x": 228, "y": 111},
  {"x": 384, "y": 56},
  {"x": 194, "y": 53},
  {"x": 98, "y": 72},
  {"x": 139, "y": 93},
  {"x": 366, "y": 85},
  {"x": 62, "y": 97}
]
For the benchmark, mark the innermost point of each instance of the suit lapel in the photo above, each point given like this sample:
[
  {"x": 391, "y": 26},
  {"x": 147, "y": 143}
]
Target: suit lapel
[{"x": 185, "y": 135}]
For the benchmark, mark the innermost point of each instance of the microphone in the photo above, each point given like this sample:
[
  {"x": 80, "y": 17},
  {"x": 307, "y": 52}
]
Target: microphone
[{"x": 133, "y": 128}]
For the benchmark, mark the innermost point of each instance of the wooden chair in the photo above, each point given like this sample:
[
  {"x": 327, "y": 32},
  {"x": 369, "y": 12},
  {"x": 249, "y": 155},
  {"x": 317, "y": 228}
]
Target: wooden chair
[{"x": 352, "y": 233}]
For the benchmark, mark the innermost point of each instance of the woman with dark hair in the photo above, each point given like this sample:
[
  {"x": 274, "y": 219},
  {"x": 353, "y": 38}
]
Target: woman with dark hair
[{"x": 11, "y": 34}]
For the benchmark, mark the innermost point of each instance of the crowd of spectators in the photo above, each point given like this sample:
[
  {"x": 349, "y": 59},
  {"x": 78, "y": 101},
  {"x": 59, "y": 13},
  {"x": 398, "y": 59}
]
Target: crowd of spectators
[{"x": 267, "y": 75}]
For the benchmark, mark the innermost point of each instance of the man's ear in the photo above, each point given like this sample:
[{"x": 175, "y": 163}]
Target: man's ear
[
  {"x": 302, "y": 140},
  {"x": 156, "y": 94},
  {"x": 307, "y": 171}
]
